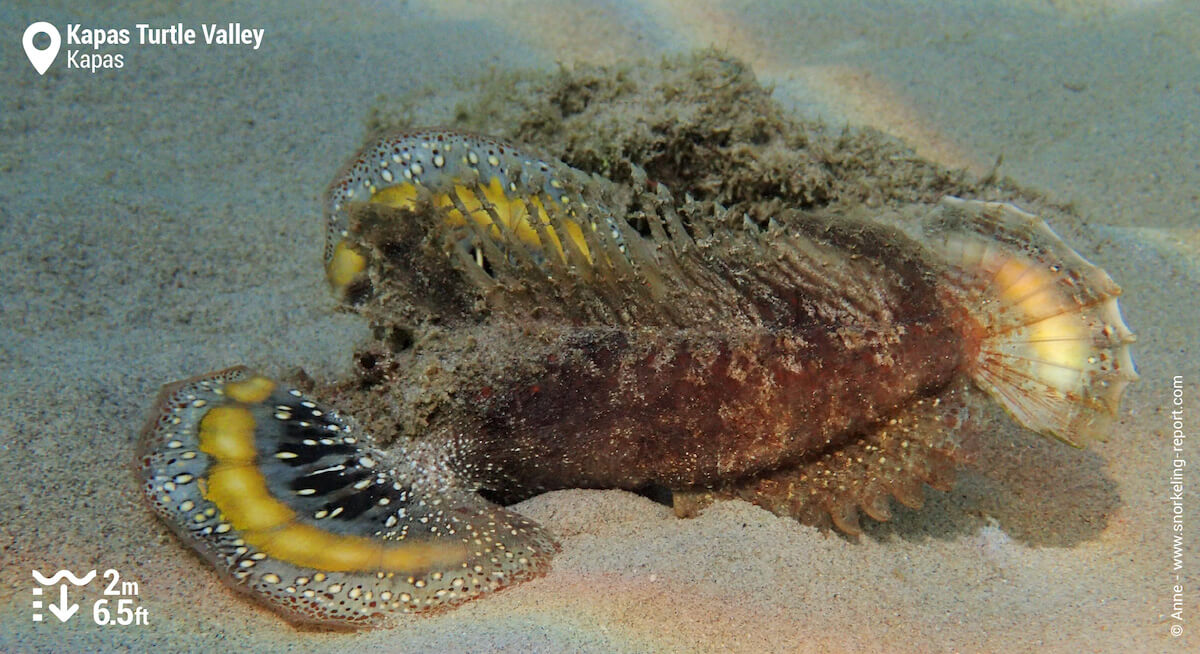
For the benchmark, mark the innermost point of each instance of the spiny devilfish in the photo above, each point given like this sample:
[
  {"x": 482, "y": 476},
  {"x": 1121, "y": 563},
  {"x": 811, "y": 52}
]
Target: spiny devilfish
[{"x": 815, "y": 365}]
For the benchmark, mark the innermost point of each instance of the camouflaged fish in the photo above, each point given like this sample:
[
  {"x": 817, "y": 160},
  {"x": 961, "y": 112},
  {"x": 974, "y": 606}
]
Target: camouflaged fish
[{"x": 568, "y": 331}]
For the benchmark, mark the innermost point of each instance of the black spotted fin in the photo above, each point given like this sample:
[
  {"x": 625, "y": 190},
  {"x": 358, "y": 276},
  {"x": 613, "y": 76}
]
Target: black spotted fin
[
  {"x": 507, "y": 194},
  {"x": 295, "y": 507}
]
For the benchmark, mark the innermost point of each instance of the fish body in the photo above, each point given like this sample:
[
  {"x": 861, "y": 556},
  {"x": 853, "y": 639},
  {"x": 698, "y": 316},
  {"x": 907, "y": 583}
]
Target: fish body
[{"x": 562, "y": 330}]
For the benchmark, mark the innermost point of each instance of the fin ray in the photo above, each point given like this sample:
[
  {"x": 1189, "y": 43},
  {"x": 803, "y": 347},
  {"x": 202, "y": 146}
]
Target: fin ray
[
  {"x": 1051, "y": 343},
  {"x": 918, "y": 446}
]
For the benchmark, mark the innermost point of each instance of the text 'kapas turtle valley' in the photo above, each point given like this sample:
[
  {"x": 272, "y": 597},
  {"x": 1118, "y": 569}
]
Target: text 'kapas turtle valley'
[{"x": 177, "y": 34}]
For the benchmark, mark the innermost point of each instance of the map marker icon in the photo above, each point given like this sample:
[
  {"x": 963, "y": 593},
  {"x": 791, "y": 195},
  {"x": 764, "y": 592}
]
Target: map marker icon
[{"x": 41, "y": 59}]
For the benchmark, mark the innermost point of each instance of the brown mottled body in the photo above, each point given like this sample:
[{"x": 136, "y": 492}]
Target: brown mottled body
[
  {"x": 814, "y": 337},
  {"x": 687, "y": 408}
]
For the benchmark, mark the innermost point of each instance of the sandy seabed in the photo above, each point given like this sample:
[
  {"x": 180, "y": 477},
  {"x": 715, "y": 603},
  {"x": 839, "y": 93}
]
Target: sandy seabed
[{"x": 162, "y": 220}]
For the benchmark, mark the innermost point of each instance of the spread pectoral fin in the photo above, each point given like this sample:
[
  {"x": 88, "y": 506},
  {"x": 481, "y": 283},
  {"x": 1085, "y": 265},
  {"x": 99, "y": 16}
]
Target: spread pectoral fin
[{"x": 295, "y": 507}]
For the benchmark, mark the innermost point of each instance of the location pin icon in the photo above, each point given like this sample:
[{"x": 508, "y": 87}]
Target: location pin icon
[{"x": 41, "y": 59}]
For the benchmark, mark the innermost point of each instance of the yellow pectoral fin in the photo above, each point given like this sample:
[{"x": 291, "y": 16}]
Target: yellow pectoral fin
[
  {"x": 241, "y": 494},
  {"x": 344, "y": 265},
  {"x": 227, "y": 433},
  {"x": 513, "y": 212},
  {"x": 401, "y": 196},
  {"x": 250, "y": 391},
  {"x": 310, "y": 547}
]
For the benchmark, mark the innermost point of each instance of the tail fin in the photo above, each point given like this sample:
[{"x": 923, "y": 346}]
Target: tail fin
[{"x": 1051, "y": 344}]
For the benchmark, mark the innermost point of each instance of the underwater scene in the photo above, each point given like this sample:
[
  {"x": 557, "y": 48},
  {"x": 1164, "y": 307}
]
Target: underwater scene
[{"x": 657, "y": 326}]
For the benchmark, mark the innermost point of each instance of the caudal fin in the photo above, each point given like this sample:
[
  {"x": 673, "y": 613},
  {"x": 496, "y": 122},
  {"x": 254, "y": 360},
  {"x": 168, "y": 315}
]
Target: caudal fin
[{"x": 1050, "y": 342}]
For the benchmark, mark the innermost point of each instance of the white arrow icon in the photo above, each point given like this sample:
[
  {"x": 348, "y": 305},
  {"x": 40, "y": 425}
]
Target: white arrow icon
[
  {"x": 41, "y": 59},
  {"x": 61, "y": 610}
]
